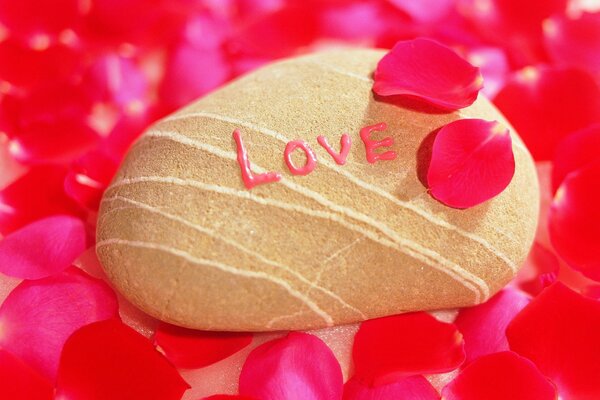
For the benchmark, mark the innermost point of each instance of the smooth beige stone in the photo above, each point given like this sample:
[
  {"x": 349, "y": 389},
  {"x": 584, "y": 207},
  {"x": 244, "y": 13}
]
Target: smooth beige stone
[{"x": 182, "y": 238}]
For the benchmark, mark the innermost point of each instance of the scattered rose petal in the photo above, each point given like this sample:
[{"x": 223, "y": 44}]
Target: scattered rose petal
[
  {"x": 297, "y": 367},
  {"x": 19, "y": 381},
  {"x": 182, "y": 82},
  {"x": 515, "y": 25},
  {"x": 592, "y": 291},
  {"x": 26, "y": 67},
  {"x": 575, "y": 151},
  {"x": 38, "y": 316},
  {"x": 545, "y": 104},
  {"x": 39, "y": 17},
  {"x": 483, "y": 327},
  {"x": 10, "y": 169},
  {"x": 429, "y": 71},
  {"x": 228, "y": 397},
  {"x": 500, "y": 376},
  {"x": 574, "y": 221},
  {"x": 539, "y": 271},
  {"x": 188, "y": 348},
  {"x": 574, "y": 41},
  {"x": 413, "y": 387},
  {"x": 471, "y": 162},
  {"x": 116, "y": 80},
  {"x": 88, "y": 177},
  {"x": 109, "y": 360},
  {"x": 345, "y": 20},
  {"x": 386, "y": 349},
  {"x": 494, "y": 66},
  {"x": 275, "y": 34},
  {"x": 425, "y": 10},
  {"x": 559, "y": 332},
  {"x": 37, "y": 194},
  {"x": 53, "y": 142},
  {"x": 42, "y": 248}
]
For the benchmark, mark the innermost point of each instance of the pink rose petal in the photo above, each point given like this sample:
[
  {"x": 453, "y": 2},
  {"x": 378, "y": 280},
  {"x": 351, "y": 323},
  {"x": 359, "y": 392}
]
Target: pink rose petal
[
  {"x": 472, "y": 161},
  {"x": 297, "y": 367},
  {"x": 429, "y": 71},
  {"x": 386, "y": 349},
  {"x": 19, "y": 381},
  {"x": 500, "y": 376},
  {"x": 188, "y": 348},
  {"x": 38, "y": 316},
  {"x": 413, "y": 387},
  {"x": 109, "y": 360},
  {"x": 574, "y": 41},
  {"x": 42, "y": 248},
  {"x": 182, "y": 82},
  {"x": 425, "y": 11},
  {"x": 483, "y": 326}
]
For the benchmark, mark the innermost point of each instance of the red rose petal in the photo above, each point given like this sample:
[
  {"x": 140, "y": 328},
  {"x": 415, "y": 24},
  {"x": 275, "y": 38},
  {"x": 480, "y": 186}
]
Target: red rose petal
[
  {"x": 10, "y": 169},
  {"x": 188, "y": 348},
  {"x": 483, "y": 327},
  {"x": 42, "y": 248},
  {"x": 500, "y": 376},
  {"x": 575, "y": 151},
  {"x": 539, "y": 271},
  {"x": 297, "y": 367},
  {"x": 425, "y": 10},
  {"x": 26, "y": 67},
  {"x": 109, "y": 360},
  {"x": 40, "y": 17},
  {"x": 574, "y": 221},
  {"x": 545, "y": 104},
  {"x": 38, "y": 316},
  {"x": 37, "y": 194},
  {"x": 472, "y": 161},
  {"x": 228, "y": 397},
  {"x": 386, "y": 349},
  {"x": 277, "y": 34},
  {"x": 57, "y": 141},
  {"x": 513, "y": 24},
  {"x": 429, "y": 71},
  {"x": 18, "y": 381},
  {"x": 559, "y": 332},
  {"x": 574, "y": 41},
  {"x": 88, "y": 177},
  {"x": 413, "y": 387}
]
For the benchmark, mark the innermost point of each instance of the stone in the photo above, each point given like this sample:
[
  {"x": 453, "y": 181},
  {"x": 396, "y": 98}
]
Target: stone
[{"x": 182, "y": 237}]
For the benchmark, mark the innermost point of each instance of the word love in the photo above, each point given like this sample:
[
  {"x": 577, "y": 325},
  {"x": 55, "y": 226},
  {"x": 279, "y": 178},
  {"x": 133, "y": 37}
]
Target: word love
[{"x": 252, "y": 179}]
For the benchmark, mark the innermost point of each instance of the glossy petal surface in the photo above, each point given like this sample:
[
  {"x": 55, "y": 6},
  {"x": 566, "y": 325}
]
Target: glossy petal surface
[
  {"x": 500, "y": 376},
  {"x": 386, "y": 349},
  {"x": 471, "y": 162},
  {"x": 559, "y": 332},
  {"x": 38, "y": 316},
  {"x": 297, "y": 367},
  {"x": 42, "y": 248},
  {"x": 429, "y": 71},
  {"x": 109, "y": 360}
]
